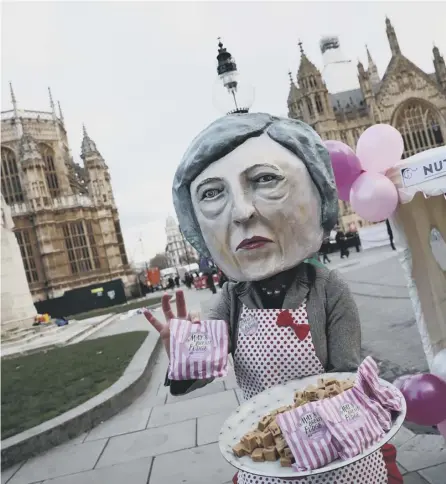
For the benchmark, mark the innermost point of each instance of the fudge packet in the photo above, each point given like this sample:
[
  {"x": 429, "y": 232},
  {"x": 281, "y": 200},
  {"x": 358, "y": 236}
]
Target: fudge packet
[
  {"x": 307, "y": 437},
  {"x": 368, "y": 381},
  {"x": 351, "y": 422},
  {"x": 198, "y": 351}
]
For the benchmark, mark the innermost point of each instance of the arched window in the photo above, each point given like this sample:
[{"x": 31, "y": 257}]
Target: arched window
[
  {"x": 11, "y": 186},
  {"x": 319, "y": 106},
  {"x": 50, "y": 170},
  {"x": 420, "y": 127},
  {"x": 310, "y": 107}
]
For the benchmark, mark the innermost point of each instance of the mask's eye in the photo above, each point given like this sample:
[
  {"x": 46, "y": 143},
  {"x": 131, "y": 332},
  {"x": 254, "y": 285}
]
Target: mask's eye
[
  {"x": 267, "y": 178},
  {"x": 210, "y": 194}
]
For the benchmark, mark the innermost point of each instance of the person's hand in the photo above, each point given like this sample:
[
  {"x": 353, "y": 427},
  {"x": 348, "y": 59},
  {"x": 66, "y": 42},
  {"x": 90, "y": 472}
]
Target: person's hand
[{"x": 164, "y": 328}]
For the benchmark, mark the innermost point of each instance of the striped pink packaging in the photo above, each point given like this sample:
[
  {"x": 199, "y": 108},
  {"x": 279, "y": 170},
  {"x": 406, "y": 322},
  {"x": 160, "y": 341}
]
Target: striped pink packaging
[
  {"x": 198, "y": 351},
  {"x": 351, "y": 422},
  {"x": 307, "y": 437},
  {"x": 368, "y": 381}
]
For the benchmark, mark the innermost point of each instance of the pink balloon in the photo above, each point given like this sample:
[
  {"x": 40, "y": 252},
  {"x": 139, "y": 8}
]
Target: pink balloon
[
  {"x": 442, "y": 428},
  {"x": 425, "y": 395},
  {"x": 379, "y": 148},
  {"x": 402, "y": 381},
  {"x": 373, "y": 196},
  {"x": 346, "y": 166}
]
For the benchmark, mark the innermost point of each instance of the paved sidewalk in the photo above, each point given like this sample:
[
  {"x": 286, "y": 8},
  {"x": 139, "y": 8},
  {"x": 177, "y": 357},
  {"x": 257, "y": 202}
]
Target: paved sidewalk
[{"x": 161, "y": 439}]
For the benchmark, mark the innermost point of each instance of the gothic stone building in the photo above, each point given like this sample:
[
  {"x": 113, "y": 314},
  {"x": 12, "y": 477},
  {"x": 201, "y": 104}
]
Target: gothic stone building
[
  {"x": 405, "y": 97},
  {"x": 178, "y": 251},
  {"x": 65, "y": 217}
]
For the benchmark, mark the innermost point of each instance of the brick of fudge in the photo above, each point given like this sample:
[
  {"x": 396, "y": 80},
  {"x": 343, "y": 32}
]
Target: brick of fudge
[
  {"x": 283, "y": 409},
  {"x": 239, "y": 450},
  {"x": 285, "y": 462},
  {"x": 280, "y": 444},
  {"x": 274, "y": 429},
  {"x": 267, "y": 439},
  {"x": 266, "y": 420},
  {"x": 270, "y": 454},
  {"x": 287, "y": 453},
  {"x": 249, "y": 441},
  {"x": 257, "y": 455}
]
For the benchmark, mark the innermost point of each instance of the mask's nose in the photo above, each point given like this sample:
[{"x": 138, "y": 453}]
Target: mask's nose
[{"x": 243, "y": 209}]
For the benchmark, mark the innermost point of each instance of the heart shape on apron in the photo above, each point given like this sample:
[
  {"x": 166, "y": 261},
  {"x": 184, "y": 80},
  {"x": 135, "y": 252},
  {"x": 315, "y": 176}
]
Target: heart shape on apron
[{"x": 285, "y": 319}]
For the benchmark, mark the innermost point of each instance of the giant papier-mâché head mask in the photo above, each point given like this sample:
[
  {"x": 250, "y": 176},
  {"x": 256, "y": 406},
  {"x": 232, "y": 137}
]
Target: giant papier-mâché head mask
[{"x": 256, "y": 193}]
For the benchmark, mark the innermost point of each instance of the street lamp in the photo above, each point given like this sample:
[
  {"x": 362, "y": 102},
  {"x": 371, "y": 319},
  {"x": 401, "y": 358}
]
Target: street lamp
[{"x": 232, "y": 95}]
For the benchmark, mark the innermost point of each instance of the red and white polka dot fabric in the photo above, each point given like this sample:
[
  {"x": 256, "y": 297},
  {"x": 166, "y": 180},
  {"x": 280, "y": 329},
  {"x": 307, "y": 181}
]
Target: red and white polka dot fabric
[{"x": 275, "y": 346}]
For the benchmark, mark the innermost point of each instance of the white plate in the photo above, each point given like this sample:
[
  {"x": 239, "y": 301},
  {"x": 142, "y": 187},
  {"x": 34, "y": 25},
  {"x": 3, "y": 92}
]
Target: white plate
[{"x": 247, "y": 416}]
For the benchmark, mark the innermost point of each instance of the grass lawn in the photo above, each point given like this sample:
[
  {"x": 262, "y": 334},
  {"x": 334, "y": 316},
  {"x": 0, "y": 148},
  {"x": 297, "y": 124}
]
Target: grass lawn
[
  {"x": 119, "y": 308},
  {"x": 38, "y": 387}
]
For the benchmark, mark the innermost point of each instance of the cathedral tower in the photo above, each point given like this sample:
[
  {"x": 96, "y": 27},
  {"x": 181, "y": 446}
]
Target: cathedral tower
[
  {"x": 33, "y": 166},
  {"x": 315, "y": 103},
  {"x": 372, "y": 69},
  {"x": 440, "y": 67},
  {"x": 393, "y": 40},
  {"x": 99, "y": 185},
  {"x": 65, "y": 218}
]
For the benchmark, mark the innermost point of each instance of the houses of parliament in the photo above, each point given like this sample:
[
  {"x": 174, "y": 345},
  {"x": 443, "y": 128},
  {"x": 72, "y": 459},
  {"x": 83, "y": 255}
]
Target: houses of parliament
[
  {"x": 64, "y": 215},
  {"x": 343, "y": 100}
]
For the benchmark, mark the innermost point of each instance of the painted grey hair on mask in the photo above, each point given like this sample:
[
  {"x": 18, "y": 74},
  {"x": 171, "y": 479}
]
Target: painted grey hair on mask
[{"x": 228, "y": 133}]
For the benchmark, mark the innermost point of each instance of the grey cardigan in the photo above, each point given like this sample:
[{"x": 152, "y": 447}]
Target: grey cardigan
[{"x": 332, "y": 315}]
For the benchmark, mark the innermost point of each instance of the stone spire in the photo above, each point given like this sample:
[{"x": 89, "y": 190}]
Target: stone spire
[
  {"x": 17, "y": 119},
  {"x": 61, "y": 114},
  {"x": 97, "y": 175},
  {"x": 366, "y": 85},
  {"x": 13, "y": 100},
  {"x": 53, "y": 109},
  {"x": 88, "y": 147},
  {"x": 393, "y": 40},
  {"x": 372, "y": 69},
  {"x": 440, "y": 67},
  {"x": 293, "y": 99},
  {"x": 312, "y": 97},
  {"x": 306, "y": 67}
]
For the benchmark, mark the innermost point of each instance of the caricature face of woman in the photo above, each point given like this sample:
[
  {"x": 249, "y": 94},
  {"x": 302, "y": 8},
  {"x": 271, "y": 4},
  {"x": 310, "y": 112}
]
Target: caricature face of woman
[{"x": 258, "y": 210}]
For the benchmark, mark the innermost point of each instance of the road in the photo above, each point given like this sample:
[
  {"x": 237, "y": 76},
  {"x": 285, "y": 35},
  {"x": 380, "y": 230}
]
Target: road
[{"x": 161, "y": 439}]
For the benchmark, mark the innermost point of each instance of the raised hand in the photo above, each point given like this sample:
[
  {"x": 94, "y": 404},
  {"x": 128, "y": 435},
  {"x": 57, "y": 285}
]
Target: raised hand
[{"x": 164, "y": 328}]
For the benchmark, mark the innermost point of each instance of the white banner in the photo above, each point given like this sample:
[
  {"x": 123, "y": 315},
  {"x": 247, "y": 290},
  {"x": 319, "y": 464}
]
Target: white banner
[
  {"x": 434, "y": 166},
  {"x": 374, "y": 236}
]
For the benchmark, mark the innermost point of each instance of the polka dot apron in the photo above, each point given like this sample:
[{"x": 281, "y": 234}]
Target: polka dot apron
[{"x": 275, "y": 346}]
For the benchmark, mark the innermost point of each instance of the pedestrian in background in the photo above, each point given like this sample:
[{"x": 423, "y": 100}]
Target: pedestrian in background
[
  {"x": 210, "y": 282},
  {"x": 342, "y": 243},
  {"x": 325, "y": 250},
  {"x": 390, "y": 232}
]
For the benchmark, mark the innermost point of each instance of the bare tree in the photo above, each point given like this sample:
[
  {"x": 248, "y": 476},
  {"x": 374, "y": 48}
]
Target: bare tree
[{"x": 160, "y": 261}]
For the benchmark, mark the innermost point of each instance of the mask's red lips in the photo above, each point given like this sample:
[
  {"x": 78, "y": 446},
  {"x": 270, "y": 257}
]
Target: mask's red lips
[{"x": 253, "y": 243}]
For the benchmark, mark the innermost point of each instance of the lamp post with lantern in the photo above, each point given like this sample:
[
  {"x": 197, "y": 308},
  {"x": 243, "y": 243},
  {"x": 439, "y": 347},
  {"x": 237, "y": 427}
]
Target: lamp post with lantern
[{"x": 232, "y": 94}]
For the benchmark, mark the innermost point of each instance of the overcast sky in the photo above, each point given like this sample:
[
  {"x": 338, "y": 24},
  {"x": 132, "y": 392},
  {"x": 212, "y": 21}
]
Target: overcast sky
[{"x": 140, "y": 75}]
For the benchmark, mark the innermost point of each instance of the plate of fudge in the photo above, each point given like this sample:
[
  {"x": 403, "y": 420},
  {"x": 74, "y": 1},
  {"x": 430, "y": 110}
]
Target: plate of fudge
[{"x": 313, "y": 425}]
